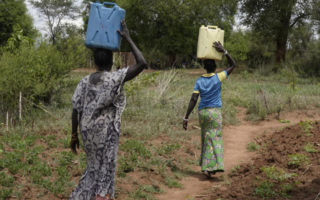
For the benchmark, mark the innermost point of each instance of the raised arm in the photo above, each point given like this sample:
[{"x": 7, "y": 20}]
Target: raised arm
[
  {"x": 134, "y": 70},
  {"x": 232, "y": 63},
  {"x": 192, "y": 104}
]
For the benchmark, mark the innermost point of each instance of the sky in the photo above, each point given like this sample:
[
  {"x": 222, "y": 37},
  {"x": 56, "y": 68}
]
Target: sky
[{"x": 39, "y": 21}]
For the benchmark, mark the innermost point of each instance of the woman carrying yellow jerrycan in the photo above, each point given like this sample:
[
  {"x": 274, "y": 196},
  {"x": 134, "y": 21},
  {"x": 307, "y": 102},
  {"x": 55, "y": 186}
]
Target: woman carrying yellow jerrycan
[{"x": 208, "y": 86}]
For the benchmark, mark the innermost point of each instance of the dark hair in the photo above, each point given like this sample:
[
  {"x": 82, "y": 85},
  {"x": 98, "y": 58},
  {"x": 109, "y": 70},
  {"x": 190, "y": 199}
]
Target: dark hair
[
  {"x": 103, "y": 58},
  {"x": 210, "y": 65}
]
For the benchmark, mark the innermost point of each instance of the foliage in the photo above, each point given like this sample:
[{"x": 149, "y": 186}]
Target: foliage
[
  {"x": 307, "y": 63},
  {"x": 36, "y": 72},
  {"x": 260, "y": 53},
  {"x": 238, "y": 46},
  {"x": 17, "y": 39},
  {"x": 276, "y": 19},
  {"x": 13, "y": 14},
  {"x": 70, "y": 43},
  {"x": 55, "y": 11},
  {"x": 171, "y": 27}
]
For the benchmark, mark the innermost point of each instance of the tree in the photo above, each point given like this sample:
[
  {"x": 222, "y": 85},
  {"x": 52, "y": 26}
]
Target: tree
[
  {"x": 71, "y": 44},
  {"x": 171, "y": 27},
  {"x": 55, "y": 11},
  {"x": 13, "y": 14},
  {"x": 276, "y": 19}
]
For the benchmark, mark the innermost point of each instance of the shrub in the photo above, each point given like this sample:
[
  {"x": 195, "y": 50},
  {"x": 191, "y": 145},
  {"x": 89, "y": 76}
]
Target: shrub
[{"x": 36, "y": 72}]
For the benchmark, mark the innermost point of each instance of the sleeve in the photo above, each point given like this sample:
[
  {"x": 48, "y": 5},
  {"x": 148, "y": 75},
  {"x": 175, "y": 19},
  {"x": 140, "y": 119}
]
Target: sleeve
[
  {"x": 78, "y": 96},
  {"x": 117, "y": 91},
  {"x": 223, "y": 75},
  {"x": 196, "y": 88},
  {"x": 119, "y": 76}
]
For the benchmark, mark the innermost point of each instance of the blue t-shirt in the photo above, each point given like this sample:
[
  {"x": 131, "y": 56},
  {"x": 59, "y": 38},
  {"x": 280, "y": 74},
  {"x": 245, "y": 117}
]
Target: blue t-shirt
[{"x": 209, "y": 87}]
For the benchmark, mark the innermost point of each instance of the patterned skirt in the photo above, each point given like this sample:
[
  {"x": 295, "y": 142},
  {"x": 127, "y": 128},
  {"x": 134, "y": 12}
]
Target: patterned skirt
[{"x": 211, "y": 140}]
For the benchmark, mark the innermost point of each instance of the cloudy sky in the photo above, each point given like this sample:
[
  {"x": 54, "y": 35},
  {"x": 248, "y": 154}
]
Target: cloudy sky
[{"x": 39, "y": 20}]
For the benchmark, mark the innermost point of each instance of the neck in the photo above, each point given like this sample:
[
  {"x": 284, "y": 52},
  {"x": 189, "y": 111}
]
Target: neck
[
  {"x": 209, "y": 72},
  {"x": 103, "y": 70}
]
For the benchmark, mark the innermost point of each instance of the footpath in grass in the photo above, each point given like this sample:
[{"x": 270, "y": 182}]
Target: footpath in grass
[
  {"x": 155, "y": 153},
  {"x": 287, "y": 167}
]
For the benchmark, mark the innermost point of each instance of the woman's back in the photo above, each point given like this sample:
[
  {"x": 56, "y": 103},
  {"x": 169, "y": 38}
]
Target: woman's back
[
  {"x": 209, "y": 87},
  {"x": 98, "y": 94}
]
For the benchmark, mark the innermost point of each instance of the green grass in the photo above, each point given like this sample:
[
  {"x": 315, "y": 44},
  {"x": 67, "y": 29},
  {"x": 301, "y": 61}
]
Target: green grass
[
  {"x": 275, "y": 182},
  {"x": 252, "y": 146},
  {"x": 277, "y": 174},
  {"x": 310, "y": 148},
  {"x": 306, "y": 127},
  {"x": 152, "y": 143},
  {"x": 265, "y": 190},
  {"x": 297, "y": 160},
  {"x": 172, "y": 183}
]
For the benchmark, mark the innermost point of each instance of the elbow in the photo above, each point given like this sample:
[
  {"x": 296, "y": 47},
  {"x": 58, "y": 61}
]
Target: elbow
[{"x": 143, "y": 64}]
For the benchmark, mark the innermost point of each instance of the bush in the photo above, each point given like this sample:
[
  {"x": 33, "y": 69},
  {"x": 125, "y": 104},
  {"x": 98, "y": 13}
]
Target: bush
[
  {"x": 238, "y": 46},
  {"x": 308, "y": 64},
  {"x": 36, "y": 72}
]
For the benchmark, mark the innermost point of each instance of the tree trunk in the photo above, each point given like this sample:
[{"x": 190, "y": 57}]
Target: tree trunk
[
  {"x": 172, "y": 60},
  {"x": 283, "y": 29},
  {"x": 281, "y": 50}
]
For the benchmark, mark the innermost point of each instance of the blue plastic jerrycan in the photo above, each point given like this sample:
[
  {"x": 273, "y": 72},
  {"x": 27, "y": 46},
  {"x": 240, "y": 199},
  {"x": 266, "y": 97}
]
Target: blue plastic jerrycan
[{"x": 104, "y": 21}]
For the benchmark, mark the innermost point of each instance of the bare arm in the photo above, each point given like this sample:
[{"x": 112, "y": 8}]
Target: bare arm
[
  {"x": 134, "y": 70},
  {"x": 75, "y": 122},
  {"x": 232, "y": 63},
  {"x": 74, "y": 144},
  {"x": 192, "y": 104}
]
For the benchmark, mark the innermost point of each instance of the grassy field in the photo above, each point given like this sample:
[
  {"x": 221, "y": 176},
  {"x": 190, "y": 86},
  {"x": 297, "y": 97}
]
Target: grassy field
[{"x": 155, "y": 153}]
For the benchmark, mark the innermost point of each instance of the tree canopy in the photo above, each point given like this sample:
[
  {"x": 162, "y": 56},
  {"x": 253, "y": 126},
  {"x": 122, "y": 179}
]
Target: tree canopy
[
  {"x": 275, "y": 20},
  {"x": 13, "y": 14},
  {"x": 171, "y": 27},
  {"x": 55, "y": 11}
]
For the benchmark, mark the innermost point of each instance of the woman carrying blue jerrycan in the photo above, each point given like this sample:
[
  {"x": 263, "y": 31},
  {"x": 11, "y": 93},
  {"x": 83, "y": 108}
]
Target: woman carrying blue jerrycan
[{"x": 98, "y": 102}]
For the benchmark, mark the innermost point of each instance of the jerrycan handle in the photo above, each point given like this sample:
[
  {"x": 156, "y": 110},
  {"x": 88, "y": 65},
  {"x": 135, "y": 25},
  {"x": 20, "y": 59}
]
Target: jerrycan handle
[
  {"x": 213, "y": 27},
  {"x": 109, "y": 4}
]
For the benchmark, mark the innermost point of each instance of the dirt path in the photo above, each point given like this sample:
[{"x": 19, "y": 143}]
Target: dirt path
[{"x": 236, "y": 139}]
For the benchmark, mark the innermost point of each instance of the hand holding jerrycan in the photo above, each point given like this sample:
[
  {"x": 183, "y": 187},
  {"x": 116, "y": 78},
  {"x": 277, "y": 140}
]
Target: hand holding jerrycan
[
  {"x": 104, "y": 21},
  {"x": 207, "y": 36}
]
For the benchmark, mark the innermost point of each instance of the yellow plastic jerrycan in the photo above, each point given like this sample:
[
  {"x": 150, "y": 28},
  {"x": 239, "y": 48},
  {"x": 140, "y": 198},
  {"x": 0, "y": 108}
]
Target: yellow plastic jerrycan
[{"x": 207, "y": 36}]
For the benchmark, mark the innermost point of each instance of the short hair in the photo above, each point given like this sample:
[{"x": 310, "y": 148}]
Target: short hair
[
  {"x": 103, "y": 58},
  {"x": 210, "y": 65}
]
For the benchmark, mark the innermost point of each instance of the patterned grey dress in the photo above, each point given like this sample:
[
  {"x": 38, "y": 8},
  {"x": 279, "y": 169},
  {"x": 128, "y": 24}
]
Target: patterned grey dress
[{"x": 100, "y": 100}]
